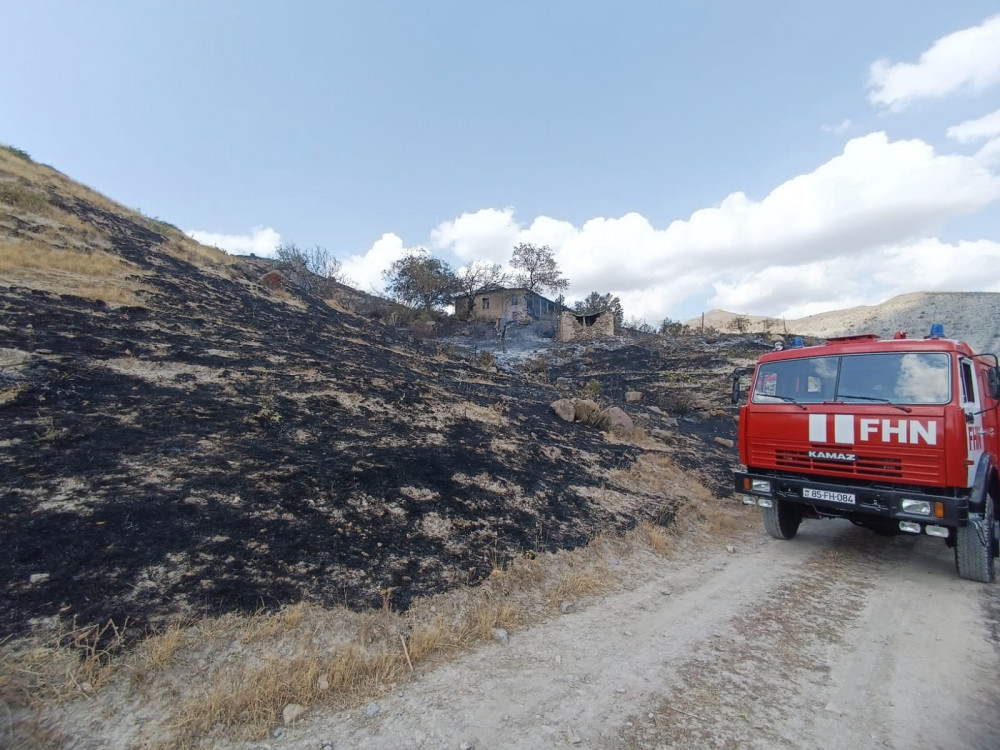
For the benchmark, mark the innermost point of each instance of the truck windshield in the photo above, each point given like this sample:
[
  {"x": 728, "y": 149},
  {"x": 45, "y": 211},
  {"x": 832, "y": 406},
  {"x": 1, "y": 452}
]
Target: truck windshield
[{"x": 910, "y": 378}]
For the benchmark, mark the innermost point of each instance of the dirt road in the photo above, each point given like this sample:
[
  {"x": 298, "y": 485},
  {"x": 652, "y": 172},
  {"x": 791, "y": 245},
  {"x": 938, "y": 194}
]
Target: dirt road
[{"x": 838, "y": 639}]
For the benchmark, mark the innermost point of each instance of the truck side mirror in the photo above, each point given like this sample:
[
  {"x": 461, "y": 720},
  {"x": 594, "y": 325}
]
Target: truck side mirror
[
  {"x": 738, "y": 373},
  {"x": 993, "y": 382}
]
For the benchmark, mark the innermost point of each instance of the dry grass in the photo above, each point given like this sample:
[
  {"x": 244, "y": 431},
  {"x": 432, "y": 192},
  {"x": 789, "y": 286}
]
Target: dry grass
[
  {"x": 231, "y": 676},
  {"x": 90, "y": 274},
  {"x": 25, "y": 187},
  {"x": 336, "y": 304},
  {"x": 157, "y": 654},
  {"x": 657, "y": 474},
  {"x": 45, "y": 178},
  {"x": 23, "y": 197},
  {"x": 183, "y": 247},
  {"x": 659, "y": 538},
  {"x": 64, "y": 662},
  {"x": 56, "y": 228},
  {"x": 10, "y": 393},
  {"x": 38, "y": 256},
  {"x": 579, "y": 583}
]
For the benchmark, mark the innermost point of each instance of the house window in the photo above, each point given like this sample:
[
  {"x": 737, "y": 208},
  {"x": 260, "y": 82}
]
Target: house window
[
  {"x": 515, "y": 300},
  {"x": 486, "y": 303}
]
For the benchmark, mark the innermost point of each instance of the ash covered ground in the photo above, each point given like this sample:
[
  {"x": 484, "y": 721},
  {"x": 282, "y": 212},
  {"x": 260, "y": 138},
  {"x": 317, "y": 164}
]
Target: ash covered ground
[{"x": 223, "y": 448}]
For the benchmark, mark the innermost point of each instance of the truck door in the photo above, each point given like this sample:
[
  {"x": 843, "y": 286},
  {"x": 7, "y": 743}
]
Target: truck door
[{"x": 971, "y": 405}]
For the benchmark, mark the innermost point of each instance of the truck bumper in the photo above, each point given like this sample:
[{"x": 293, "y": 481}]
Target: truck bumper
[{"x": 830, "y": 498}]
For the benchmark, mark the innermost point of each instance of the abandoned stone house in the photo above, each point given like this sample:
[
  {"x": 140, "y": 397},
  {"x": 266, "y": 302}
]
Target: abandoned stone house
[
  {"x": 505, "y": 304},
  {"x": 576, "y": 327},
  {"x": 521, "y": 306}
]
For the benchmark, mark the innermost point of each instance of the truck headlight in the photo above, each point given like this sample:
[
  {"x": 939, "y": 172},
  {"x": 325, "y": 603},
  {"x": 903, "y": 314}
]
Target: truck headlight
[
  {"x": 917, "y": 507},
  {"x": 760, "y": 485}
]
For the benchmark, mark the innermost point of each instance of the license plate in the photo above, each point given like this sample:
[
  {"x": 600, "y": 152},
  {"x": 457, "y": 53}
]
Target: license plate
[{"x": 832, "y": 497}]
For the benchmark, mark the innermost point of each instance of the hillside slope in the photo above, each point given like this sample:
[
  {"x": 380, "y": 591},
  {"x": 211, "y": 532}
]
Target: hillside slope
[
  {"x": 969, "y": 316},
  {"x": 181, "y": 440}
]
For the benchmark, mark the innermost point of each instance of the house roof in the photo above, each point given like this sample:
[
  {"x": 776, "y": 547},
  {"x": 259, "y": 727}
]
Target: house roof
[{"x": 495, "y": 289}]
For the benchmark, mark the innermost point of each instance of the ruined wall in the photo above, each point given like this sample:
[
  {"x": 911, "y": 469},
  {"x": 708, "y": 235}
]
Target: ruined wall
[{"x": 573, "y": 327}]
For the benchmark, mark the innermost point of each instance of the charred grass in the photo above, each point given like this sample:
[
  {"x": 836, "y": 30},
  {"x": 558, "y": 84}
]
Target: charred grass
[
  {"x": 221, "y": 500},
  {"x": 231, "y": 677}
]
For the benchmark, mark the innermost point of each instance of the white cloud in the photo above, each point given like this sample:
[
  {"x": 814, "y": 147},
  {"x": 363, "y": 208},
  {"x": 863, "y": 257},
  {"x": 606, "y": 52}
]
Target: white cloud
[
  {"x": 841, "y": 127},
  {"x": 964, "y": 60},
  {"x": 876, "y": 192},
  {"x": 986, "y": 126},
  {"x": 488, "y": 234},
  {"x": 932, "y": 265},
  {"x": 261, "y": 241},
  {"x": 365, "y": 270},
  {"x": 794, "y": 291},
  {"x": 847, "y": 231},
  {"x": 989, "y": 155}
]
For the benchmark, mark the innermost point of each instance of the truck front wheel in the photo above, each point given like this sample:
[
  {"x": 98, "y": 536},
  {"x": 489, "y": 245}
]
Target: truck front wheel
[
  {"x": 974, "y": 546},
  {"x": 782, "y": 519}
]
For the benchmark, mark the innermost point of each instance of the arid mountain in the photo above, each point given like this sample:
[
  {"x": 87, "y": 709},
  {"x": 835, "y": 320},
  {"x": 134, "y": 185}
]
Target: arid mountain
[
  {"x": 969, "y": 316},
  {"x": 185, "y": 436}
]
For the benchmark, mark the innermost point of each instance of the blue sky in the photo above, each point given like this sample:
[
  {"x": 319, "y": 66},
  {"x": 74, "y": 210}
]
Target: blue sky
[{"x": 684, "y": 155}]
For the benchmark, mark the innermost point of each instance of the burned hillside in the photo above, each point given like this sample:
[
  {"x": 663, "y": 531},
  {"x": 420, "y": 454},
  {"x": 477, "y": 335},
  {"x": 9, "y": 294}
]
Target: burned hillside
[{"x": 210, "y": 445}]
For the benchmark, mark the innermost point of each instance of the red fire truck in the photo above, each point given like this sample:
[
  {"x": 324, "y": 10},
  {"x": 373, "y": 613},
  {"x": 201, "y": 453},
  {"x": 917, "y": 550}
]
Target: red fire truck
[{"x": 898, "y": 435}]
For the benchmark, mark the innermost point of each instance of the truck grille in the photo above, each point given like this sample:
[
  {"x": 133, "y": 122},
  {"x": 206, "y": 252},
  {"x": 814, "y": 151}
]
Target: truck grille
[{"x": 911, "y": 469}]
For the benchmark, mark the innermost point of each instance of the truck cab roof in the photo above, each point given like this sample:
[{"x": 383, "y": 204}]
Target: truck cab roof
[{"x": 867, "y": 344}]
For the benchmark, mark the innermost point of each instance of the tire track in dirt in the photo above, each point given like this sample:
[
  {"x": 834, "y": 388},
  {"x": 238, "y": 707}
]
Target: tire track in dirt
[
  {"x": 750, "y": 685},
  {"x": 872, "y": 642},
  {"x": 590, "y": 671},
  {"x": 838, "y": 640}
]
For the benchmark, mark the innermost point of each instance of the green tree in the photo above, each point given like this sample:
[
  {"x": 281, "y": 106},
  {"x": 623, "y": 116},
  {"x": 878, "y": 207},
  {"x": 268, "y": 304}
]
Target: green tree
[
  {"x": 420, "y": 280},
  {"x": 595, "y": 302},
  {"x": 538, "y": 268},
  {"x": 670, "y": 327}
]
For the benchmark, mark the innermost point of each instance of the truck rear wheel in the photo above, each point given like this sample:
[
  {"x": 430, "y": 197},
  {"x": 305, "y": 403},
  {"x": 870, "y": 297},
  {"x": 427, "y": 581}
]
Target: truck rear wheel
[
  {"x": 974, "y": 546},
  {"x": 782, "y": 519}
]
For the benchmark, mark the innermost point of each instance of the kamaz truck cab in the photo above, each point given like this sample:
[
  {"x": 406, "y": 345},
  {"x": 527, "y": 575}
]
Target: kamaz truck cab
[{"x": 898, "y": 435}]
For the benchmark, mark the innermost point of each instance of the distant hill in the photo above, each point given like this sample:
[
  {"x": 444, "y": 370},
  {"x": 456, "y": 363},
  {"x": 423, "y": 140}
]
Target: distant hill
[{"x": 970, "y": 316}]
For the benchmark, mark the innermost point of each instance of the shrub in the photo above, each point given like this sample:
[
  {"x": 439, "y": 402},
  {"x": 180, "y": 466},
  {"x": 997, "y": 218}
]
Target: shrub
[
  {"x": 161, "y": 226},
  {"x": 592, "y": 389},
  {"x": 537, "y": 364},
  {"x": 670, "y": 327},
  {"x": 16, "y": 152},
  {"x": 590, "y": 413},
  {"x": 677, "y": 402},
  {"x": 486, "y": 361},
  {"x": 22, "y": 197}
]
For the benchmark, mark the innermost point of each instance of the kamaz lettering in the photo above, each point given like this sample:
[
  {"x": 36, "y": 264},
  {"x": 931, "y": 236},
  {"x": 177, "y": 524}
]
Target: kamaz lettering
[
  {"x": 832, "y": 456},
  {"x": 847, "y": 427}
]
